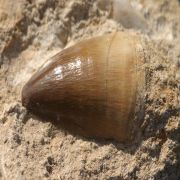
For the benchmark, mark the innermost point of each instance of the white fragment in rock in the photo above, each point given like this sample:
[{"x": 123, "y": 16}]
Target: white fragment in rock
[{"x": 123, "y": 12}]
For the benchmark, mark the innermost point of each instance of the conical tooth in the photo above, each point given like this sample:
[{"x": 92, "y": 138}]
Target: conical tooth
[{"x": 92, "y": 88}]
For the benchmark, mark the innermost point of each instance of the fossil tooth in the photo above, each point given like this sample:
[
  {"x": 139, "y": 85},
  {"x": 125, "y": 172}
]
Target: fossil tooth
[{"x": 94, "y": 88}]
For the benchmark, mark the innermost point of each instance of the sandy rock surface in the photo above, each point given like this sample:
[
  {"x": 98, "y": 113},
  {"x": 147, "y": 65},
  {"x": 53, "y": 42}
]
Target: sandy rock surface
[{"x": 31, "y": 32}]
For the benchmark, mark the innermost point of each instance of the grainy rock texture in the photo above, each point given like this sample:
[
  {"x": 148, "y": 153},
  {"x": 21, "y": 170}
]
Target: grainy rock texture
[{"x": 31, "y": 32}]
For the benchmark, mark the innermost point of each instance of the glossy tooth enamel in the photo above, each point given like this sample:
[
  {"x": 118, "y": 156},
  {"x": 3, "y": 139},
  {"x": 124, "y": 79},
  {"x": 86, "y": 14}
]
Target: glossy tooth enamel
[{"x": 94, "y": 88}]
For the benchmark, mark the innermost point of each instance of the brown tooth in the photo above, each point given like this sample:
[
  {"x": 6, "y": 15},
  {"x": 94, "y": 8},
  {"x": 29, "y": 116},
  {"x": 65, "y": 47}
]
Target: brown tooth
[{"x": 94, "y": 88}]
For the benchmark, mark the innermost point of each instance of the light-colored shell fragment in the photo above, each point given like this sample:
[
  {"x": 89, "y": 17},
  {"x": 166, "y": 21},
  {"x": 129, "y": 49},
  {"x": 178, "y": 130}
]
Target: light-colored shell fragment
[{"x": 123, "y": 12}]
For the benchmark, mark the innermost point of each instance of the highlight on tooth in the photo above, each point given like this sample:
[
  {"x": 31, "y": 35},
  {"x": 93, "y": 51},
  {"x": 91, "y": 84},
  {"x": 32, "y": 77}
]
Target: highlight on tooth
[{"x": 94, "y": 89}]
